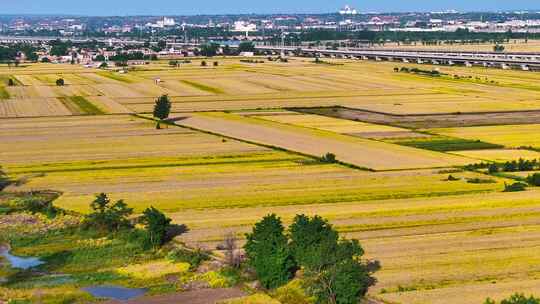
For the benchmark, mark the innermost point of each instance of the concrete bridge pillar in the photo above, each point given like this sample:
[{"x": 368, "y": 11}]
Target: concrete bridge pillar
[{"x": 468, "y": 64}]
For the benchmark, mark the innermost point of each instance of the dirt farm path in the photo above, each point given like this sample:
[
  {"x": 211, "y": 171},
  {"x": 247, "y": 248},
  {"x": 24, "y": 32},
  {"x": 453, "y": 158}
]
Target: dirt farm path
[{"x": 203, "y": 296}]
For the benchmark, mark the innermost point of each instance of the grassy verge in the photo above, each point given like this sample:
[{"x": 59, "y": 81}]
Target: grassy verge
[
  {"x": 80, "y": 105},
  {"x": 203, "y": 87}
]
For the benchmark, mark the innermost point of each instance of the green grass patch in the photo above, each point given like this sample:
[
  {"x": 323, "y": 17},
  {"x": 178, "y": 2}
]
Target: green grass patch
[
  {"x": 80, "y": 105},
  {"x": 203, "y": 87},
  {"x": 443, "y": 144}
]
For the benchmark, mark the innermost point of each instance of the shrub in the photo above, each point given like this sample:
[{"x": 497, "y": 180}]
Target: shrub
[
  {"x": 451, "y": 178},
  {"x": 329, "y": 158},
  {"x": 534, "y": 179},
  {"x": 11, "y": 82},
  {"x": 477, "y": 180},
  {"x": 515, "y": 187},
  {"x": 293, "y": 293},
  {"x": 60, "y": 82},
  {"x": 203, "y": 63},
  {"x": 107, "y": 216},
  {"x": 268, "y": 253},
  {"x": 193, "y": 258},
  {"x": 493, "y": 168},
  {"x": 156, "y": 224},
  {"x": 216, "y": 63}
]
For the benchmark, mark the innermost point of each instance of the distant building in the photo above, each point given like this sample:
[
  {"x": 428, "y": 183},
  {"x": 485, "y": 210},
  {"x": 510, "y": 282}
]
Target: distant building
[{"x": 347, "y": 10}]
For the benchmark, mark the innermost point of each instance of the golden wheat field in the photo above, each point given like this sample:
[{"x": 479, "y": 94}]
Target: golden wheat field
[{"x": 239, "y": 147}]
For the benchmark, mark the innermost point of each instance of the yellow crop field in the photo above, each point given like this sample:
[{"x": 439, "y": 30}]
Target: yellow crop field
[
  {"x": 512, "y": 136},
  {"x": 500, "y": 155}
]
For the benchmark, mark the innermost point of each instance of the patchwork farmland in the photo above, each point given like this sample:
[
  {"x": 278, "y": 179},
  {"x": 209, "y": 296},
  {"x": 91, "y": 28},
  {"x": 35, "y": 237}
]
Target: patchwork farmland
[{"x": 245, "y": 140}]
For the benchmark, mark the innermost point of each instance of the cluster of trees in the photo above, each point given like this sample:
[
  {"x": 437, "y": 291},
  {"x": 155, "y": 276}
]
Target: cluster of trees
[
  {"x": 461, "y": 36},
  {"x": 10, "y": 53},
  {"x": 123, "y": 58},
  {"x": 212, "y": 49},
  {"x": 60, "y": 48},
  {"x": 520, "y": 165},
  {"x": 108, "y": 216},
  {"x": 332, "y": 268},
  {"x": 434, "y": 73}
]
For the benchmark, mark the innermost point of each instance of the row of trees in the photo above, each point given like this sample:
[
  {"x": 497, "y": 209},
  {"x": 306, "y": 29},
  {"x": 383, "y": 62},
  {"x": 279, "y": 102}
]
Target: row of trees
[{"x": 331, "y": 267}]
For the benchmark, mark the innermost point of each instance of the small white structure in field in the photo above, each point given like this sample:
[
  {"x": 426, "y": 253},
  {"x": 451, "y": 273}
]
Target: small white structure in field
[
  {"x": 157, "y": 80},
  {"x": 247, "y": 54}
]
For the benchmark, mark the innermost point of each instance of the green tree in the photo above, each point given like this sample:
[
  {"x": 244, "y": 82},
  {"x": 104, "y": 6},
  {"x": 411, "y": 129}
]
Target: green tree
[
  {"x": 60, "y": 82},
  {"x": 156, "y": 224},
  {"x": 246, "y": 46},
  {"x": 162, "y": 107},
  {"x": 333, "y": 268},
  {"x": 534, "y": 179},
  {"x": 106, "y": 216},
  {"x": 209, "y": 49},
  {"x": 268, "y": 254},
  {"x": 162, "y": 44}
]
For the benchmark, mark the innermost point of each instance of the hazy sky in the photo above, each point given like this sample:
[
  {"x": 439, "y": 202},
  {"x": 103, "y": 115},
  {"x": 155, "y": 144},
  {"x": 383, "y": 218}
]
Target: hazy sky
[{"x": 180, "y": 7}]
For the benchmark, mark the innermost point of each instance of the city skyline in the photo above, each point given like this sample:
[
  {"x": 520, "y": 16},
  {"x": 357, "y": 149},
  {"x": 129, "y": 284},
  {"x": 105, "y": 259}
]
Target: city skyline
[{"x": 209, "y": 7}]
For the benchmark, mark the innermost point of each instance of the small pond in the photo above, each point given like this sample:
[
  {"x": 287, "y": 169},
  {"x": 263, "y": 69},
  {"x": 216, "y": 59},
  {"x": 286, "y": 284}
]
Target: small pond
[
  {"x": 19, "y": 262},
  {"x": 115, "y": 292}
]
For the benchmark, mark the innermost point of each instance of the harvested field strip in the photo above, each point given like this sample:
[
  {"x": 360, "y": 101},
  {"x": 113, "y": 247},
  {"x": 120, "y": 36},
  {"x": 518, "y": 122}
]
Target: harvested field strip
[
  {"x": 269, "y": 157},
  {"x": 324, "y": 123},
  {"x": 351, "y": 150},
  {"x": 80, "y": 105},
  {"x": 511, "y": 136},
  {"x": 203, "y": 87},
  {"x": 116, "y": 76},
  {"x": 4, "y": 94},
  {"x": 241, "y": 182},
  {"x": 499, "y": 155},
  {"x": 102, "y": 138}
]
